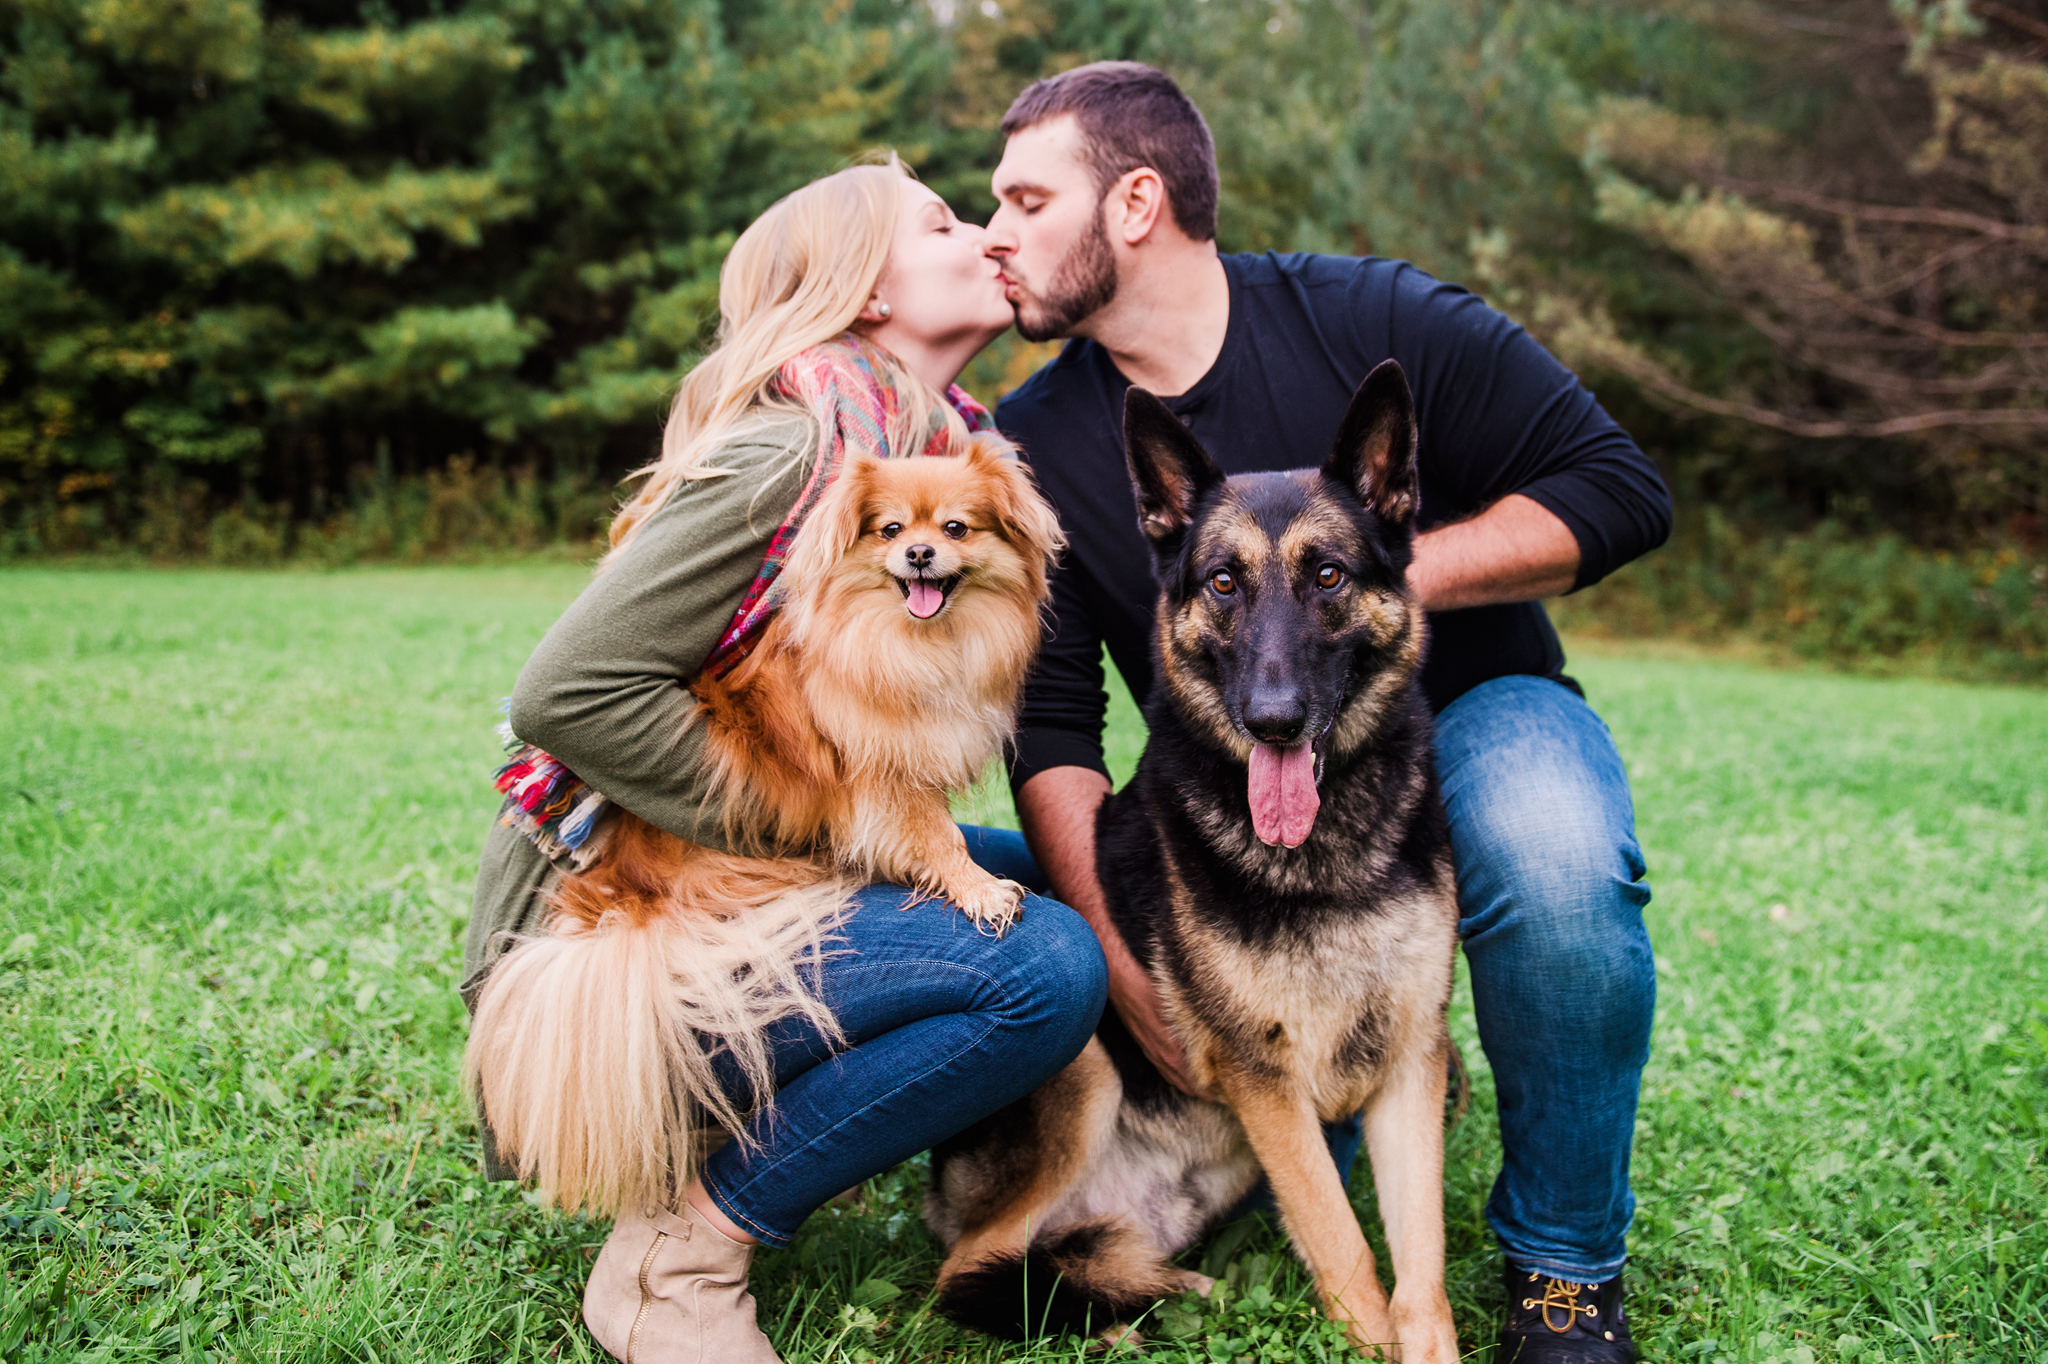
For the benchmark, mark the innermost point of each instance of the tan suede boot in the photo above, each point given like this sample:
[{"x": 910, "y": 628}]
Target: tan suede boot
[{"x": 672, "y": 1289}]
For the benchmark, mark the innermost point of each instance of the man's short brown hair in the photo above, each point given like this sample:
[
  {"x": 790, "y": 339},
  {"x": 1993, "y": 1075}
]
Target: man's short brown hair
[{"x": 1132, "y": 115}]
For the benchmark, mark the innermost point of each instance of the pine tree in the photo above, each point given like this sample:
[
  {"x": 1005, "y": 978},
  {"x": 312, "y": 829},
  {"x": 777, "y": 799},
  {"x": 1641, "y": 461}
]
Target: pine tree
[
  {"x": 1891, "y": 258},
  {"x": 248, "y": 248}
]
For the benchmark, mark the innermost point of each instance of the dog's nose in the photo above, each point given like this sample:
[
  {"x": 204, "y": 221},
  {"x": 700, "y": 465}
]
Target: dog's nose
[
  {"x": 1276, "y": 715},
  {"x": 919, "y": 556}
]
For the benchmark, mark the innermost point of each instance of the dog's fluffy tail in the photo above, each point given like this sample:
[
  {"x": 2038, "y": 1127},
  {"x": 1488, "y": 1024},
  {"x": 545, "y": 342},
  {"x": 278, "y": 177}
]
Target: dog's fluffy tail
[
  {"x": 591, "y": 1050},
  {"x": 1081, "y": 1279}
]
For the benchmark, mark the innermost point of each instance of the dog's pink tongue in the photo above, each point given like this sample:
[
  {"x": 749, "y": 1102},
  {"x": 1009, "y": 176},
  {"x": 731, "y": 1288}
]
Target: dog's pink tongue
[
  {"x": 925, "y": 599},
  {"x": 1283, "y": 794}
]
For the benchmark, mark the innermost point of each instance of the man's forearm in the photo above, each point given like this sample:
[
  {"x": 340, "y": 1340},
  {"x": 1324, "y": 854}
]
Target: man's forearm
[
  {"x": 1515, "y": 550},
  {"x": 1057, "y": 809}
]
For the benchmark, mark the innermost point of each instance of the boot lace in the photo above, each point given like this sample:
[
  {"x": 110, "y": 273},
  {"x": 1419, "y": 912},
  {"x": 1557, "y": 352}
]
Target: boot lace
[{"x": 1560, "y": 1295}]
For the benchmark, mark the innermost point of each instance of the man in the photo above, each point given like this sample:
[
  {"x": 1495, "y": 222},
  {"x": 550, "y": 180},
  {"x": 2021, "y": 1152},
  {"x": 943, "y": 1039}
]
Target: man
[{"x": 1106, "y": 235}]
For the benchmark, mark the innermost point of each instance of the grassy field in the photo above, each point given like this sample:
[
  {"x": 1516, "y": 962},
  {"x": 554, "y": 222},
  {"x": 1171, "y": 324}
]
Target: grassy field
[{"x": 237, "y": 826}]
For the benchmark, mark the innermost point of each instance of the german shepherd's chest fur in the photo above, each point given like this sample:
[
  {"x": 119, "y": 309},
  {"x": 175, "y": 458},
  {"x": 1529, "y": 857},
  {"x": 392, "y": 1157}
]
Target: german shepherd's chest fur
[
  {"x": 1281, "y": 868},
  {"x": 1309, "y": 963}
]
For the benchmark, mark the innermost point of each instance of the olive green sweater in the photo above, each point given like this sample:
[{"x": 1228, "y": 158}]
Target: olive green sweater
[{"x": 606, "y": 690}]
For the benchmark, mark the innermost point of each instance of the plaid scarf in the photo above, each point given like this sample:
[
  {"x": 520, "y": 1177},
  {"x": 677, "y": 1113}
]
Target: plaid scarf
[{"x": 856, "y": 407}]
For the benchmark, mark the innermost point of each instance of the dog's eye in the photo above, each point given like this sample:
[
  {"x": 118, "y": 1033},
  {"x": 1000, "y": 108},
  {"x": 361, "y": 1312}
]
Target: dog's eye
[
  {"x": 1222, "y": 583},
  {"x": 892, "y": 530},
  {"x": 1329, "y": 576},
  {"x": 955, "y": 530}
]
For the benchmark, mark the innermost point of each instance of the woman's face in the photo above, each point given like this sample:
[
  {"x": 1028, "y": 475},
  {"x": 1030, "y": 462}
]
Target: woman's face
[{"x": 944, "y": 296}]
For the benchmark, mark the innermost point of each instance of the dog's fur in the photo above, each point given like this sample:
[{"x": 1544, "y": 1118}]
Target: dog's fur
[
  {"x": 1303, "y": 954},
  {"x": 834, "y": 744}
]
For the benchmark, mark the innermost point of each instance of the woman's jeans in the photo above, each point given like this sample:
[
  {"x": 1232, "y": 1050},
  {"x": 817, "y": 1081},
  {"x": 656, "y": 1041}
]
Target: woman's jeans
[
  {"x": 944, "y": 1025},
  {"x": 1550, "y": 897}
]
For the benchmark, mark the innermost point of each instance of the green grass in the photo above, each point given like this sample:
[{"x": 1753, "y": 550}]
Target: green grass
[{"x": 238, "y": 819}]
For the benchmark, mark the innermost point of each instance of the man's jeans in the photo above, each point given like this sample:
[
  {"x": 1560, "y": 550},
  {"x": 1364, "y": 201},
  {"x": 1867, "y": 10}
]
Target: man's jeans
[{"x": 1550, "y": 897}]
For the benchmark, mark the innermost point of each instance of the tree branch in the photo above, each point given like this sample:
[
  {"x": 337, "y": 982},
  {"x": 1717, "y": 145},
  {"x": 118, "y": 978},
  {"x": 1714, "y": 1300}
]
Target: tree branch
[
  {"x": 1897, "y": 321},
  {"x": 1880, "y": 381},
  {"x": 1807, "y": 349},
  {"x": 2012, "y": 18},
  {"x": 1962, "y": 250},
  {"x": 2031, "y": 238},
  {"x": 1653, "y": 377}
]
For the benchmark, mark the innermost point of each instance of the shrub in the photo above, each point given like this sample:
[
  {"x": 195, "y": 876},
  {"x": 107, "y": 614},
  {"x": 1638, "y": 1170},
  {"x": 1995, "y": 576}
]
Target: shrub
[{"x": 1831, "y": 596}]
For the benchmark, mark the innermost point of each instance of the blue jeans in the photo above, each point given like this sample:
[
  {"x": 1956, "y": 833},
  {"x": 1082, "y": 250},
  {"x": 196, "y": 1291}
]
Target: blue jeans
[
  {"x": 944, "y": 1025},
  {"x": 1551, "y": 896}
]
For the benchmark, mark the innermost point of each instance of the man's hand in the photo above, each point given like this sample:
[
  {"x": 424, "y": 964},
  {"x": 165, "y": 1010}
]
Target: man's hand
[
  {"x": 1057, "y": 809},
  {"x": 1515, "y": 550},
  {"x": 1137, "y": 1003}
]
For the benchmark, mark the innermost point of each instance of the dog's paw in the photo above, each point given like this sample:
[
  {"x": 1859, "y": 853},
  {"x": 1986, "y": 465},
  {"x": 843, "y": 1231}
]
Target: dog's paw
[
  {"x": 1114, "y": 1338},
  {"x": 994, "y": 905}
]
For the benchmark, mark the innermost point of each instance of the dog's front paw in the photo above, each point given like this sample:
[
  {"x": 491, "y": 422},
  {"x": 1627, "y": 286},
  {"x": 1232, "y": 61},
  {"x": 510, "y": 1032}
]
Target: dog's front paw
[{"x": 995, "y": 904}]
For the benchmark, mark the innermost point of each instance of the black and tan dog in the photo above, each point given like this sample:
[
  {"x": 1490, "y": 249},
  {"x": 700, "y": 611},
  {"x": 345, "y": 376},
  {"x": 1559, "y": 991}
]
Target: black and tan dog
[{"x": 1280, "y": 866}]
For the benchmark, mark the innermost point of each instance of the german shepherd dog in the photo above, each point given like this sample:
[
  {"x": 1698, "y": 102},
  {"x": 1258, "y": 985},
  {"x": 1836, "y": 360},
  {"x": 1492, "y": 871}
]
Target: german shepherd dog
[{"x": 1280, "y": 865}]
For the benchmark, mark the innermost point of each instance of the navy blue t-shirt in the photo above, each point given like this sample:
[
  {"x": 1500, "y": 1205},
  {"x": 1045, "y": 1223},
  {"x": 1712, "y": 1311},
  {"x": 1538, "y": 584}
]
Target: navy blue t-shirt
[{"x": 1497, "y": 414}]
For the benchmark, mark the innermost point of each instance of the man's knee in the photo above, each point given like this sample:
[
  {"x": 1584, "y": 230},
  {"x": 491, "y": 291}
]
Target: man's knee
[
  {"x": 1550, "y": 878},
  {"x": 1073, "y": 955},
  {"x": 1541, "y": 819},
  {"x": 1568, "y": 868},
  {"x": 1557, "y": 945},
  {"x": 1567, "y": 886}
]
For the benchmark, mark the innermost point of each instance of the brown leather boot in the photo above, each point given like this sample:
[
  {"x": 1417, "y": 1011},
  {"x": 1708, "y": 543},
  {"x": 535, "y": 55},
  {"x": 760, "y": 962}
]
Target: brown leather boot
[{"x": 672, "y": 1289}]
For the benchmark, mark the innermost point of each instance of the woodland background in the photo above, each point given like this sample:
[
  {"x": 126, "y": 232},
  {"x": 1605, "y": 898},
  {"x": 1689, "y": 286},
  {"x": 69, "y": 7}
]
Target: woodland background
[
  {"x": 342, "y": 280},
  {"x": 336, "y": 281}
]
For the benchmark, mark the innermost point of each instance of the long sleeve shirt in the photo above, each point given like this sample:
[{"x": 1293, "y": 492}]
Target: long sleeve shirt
[{"x": 1495, "y": 412}]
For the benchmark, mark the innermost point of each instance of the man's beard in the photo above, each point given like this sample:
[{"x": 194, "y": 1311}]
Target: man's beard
[{"x": 1082, "y": 284}]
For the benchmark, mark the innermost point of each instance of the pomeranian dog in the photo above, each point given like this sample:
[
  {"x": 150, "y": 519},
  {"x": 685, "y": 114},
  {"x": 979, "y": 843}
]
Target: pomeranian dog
[{"x": 909, "y": 616}]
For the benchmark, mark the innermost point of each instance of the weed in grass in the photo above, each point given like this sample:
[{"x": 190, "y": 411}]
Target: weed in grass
[{"x": 239, "y": 815}]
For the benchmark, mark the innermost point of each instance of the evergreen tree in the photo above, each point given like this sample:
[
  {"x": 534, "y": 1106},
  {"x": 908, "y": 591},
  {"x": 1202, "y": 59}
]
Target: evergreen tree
[
  {"x": 262, "y": 260},
  {"x": 251, "y": 247},
  {"x": 1891, "y": 258}
]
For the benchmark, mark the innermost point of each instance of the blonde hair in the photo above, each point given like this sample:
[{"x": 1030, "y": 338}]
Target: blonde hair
[{"x": 797, "y": 277}]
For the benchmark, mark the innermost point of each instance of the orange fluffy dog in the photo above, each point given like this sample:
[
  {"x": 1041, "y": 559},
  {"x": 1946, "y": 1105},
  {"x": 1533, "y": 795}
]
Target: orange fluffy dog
[{"x": 891, "y": 673}]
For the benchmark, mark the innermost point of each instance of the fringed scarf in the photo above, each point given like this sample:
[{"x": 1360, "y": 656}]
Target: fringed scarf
[{"x": 856, "y": 406}]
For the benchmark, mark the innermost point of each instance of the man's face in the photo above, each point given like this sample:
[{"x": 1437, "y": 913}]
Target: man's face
[{"x": 1058, "y": 266}]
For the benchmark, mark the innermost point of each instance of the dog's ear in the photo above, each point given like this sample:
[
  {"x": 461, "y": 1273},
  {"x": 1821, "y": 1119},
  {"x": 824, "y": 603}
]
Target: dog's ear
[
  {"x": 1375, "y": 451},
  {"x": 1169, "y": 468},
  {"x": 833, "y": 525},
  {"x": 1022, "y": 514}
]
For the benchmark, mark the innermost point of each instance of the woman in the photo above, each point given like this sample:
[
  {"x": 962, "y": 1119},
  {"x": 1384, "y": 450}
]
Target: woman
[{"x": 942, "y": 1024}]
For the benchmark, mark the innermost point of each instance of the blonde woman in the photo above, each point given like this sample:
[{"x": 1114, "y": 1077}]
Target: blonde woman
[{"x": 860, "y": 293}]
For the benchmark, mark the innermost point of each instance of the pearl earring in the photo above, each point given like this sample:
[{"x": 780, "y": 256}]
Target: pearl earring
[{"x": 883, "y": 309}]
